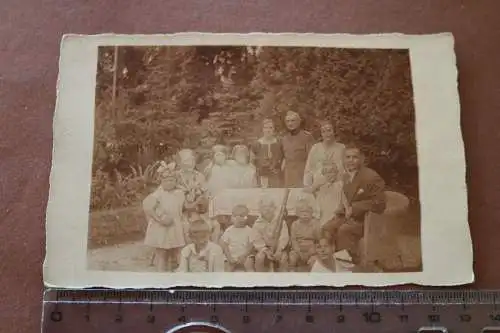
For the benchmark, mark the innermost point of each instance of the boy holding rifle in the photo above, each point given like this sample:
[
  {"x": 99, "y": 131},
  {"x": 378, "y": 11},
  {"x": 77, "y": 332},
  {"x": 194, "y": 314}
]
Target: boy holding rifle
[{"x": 272, "y": 229}]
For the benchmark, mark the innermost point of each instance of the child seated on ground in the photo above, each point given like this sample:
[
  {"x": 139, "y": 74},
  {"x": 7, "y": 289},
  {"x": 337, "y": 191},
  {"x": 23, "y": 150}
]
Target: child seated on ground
[
  {"x": 163, "y": 210},
  {"x": 201, "y": 255},
  {"x": 304, "y": 233},
  {"x": 327, "y": 260},
  {"x": 324, "y": 260},
  {"x": 275, "y": 240},
  {"x": 240, "y": 242},
  {"x": 214, "y": 225}
]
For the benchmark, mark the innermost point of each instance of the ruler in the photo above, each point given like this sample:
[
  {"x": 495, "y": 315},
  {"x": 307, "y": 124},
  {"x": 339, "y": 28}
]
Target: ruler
[{"x": 266, "y": 310}]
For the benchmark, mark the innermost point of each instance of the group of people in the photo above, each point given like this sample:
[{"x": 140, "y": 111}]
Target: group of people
[{"x": 186, "y": 239}]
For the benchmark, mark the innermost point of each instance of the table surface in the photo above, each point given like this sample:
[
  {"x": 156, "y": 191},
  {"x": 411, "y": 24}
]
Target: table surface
[{"x": 30, "y": 32}]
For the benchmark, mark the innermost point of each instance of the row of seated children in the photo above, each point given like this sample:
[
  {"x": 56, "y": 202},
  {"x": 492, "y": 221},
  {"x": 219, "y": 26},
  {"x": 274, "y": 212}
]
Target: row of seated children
[
  {"x": 203, "y": 255},
  {"x": 259, "y": 247},
  {"x": 244, "y": 247}
]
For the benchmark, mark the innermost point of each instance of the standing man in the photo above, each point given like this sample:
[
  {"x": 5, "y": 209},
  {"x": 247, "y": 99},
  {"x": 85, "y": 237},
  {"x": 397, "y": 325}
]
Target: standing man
[
  {"x": 296, "y": 146},
  {"x": 364, "y": 190}
]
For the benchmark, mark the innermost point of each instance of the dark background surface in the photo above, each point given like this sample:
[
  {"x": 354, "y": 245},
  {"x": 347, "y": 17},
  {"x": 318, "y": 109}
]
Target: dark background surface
[{"x": 30, "y": 32}]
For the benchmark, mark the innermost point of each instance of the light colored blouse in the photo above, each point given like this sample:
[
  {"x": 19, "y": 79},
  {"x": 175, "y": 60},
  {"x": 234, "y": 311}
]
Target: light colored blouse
[
  {"x": 241, "y": 176},
  {"x": 330, "y": 198},
  {"x": 319, "y": 154},
  {"x": 217, "y": 178}
]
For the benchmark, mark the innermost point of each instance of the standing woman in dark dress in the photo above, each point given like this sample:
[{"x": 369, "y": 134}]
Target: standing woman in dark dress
[{"x": 268, "y": 157}]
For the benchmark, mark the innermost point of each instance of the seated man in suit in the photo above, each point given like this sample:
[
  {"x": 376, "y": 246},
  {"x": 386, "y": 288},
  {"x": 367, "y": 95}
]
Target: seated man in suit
[{"x": 364, "y": 191}]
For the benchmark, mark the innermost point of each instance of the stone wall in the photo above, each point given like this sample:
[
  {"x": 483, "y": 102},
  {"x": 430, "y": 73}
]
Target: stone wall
[{"x": 116, "y": 226}]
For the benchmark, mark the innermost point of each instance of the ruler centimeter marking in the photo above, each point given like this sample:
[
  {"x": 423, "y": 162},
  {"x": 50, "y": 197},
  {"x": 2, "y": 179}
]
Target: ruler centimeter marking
[
  {"x": 283, "y": 296},
  {"x": 271, "y": 310}
]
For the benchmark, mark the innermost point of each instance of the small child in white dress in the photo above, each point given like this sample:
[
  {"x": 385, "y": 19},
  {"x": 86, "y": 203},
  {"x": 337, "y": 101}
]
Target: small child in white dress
[
  {"x": 202, "y": 255},
  {"x": 329, "y": 193},
  {"x": 242, "y": 174},
  {"x": 217, "y": 171},
  {"x": 240, "y": 242},
  {"x": 163, "y": 209}
]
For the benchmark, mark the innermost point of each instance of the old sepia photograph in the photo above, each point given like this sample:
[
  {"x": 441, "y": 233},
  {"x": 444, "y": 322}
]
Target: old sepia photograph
[
  {"x": 199, "y": 149},
  {"x": 273, "y": 159}
]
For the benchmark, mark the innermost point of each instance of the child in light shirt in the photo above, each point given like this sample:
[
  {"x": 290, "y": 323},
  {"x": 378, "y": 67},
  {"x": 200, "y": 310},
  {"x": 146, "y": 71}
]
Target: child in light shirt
[
  {"x": 240, "y": 242},
  {"x": 304, "y": 233},
  {"x": 202, "y": 255}
]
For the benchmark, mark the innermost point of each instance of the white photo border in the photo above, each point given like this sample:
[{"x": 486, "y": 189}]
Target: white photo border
[{"x": 445, "y": 238}]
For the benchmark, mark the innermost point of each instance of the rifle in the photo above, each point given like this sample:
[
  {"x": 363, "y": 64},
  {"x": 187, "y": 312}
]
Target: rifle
[{"x": 278, "y": 219}]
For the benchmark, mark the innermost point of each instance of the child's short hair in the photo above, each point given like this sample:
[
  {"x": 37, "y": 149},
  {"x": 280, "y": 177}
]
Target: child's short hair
[
  {"x": 186, "y": 153},
  {"x": 243, "y": 209},
  {"x": 303, "y": 204},
  {"x": 240, "y": 148},
  {"x": 199, "y": 224},
  {"x": 267, "y": 201},
  {"x": 219, "y": 149}
]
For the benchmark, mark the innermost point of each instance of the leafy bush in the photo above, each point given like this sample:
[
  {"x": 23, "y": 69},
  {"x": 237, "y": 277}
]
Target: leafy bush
[
  {"x": 121, "y": 190},
  {"x": 165, "y": 95}
]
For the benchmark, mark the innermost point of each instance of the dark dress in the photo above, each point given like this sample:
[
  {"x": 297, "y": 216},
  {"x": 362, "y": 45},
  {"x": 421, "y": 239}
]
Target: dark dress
[
  {"x": 296, "y": 147},
  {"x": 268, "y": 159}
]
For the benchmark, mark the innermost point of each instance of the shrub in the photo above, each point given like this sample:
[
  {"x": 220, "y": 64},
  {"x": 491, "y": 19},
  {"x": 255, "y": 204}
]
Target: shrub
[{"x": 164, "y": 94}]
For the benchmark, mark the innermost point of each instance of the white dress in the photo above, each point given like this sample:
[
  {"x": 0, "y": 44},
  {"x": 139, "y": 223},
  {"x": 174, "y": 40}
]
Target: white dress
[
  {"x": 329, "y": 198},
  {"x": 319, "y": 154},
  {"x": 241, "y": 176},
  {"x": 217, "y": 178},
  {"x": 164, "y": 203}
]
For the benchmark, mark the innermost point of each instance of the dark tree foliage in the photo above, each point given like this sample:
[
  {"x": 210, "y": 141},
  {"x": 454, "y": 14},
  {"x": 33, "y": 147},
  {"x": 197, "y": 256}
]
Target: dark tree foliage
[{"x": 173, "y": 97}]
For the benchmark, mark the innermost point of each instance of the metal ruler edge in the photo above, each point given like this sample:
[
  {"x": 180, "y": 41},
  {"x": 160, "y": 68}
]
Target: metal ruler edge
[
  {"x": 273, "y": 296},
  {"x": 407, "y": 310}
]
